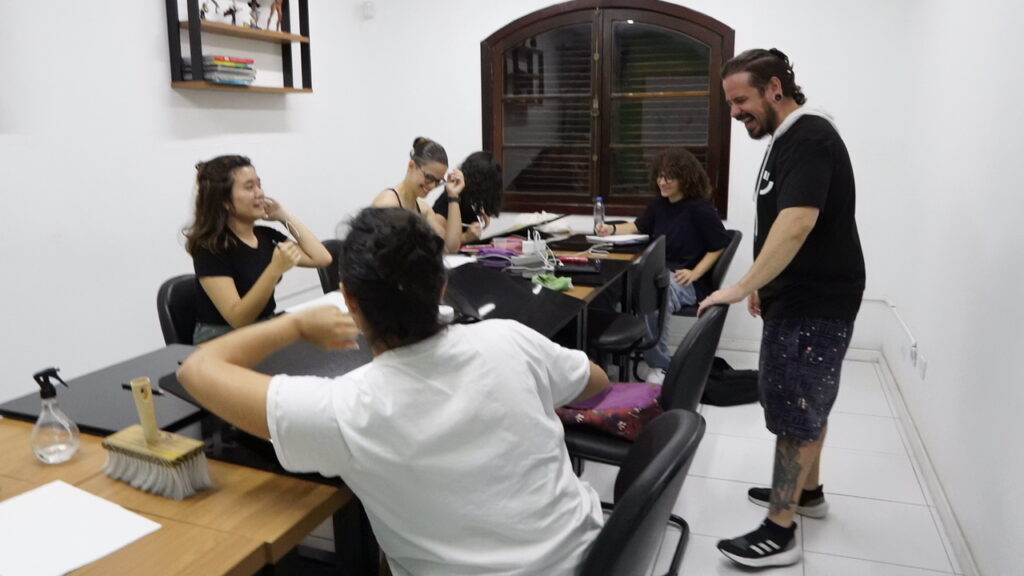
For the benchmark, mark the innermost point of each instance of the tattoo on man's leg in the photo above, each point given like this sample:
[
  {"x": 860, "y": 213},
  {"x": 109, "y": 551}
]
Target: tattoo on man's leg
[{"x": 787, "y": 472}]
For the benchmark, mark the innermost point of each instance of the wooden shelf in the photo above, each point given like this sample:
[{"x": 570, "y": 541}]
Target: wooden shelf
[
  {"x": 250, "y": 33},
  {"x": 198, "y": 28},
  {"x": 203, "y": 85}
]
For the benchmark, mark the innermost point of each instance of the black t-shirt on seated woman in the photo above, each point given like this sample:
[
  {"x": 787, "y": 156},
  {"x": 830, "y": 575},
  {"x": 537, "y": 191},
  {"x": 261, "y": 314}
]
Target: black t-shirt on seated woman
[
  {"x": 241, "y": 263},
  {"x": 465, "y": 210},
  {"x": 691, "y": 228}
]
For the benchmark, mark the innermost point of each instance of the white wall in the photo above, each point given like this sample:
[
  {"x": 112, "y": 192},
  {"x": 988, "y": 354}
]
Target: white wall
[{"x": 97, "y": 154}]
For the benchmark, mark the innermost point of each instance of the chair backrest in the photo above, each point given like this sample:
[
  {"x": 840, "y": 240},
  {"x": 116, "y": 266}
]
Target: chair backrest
[
  {"x": 688, "y": 371},
  {"x": 645, "y": 294},
  {"x": 330, "y": 275},
  {"x": 176, "y": 307},
  {"x": 721, "y": 267},
  {"x": 646, "y": 489}
]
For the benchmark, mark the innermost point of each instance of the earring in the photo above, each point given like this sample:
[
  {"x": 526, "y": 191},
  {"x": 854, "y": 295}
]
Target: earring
[{"x": 778, "y": 97}]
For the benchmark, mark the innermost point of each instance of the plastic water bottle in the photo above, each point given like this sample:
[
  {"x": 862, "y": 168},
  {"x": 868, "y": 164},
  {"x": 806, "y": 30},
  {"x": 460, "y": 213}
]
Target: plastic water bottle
[{"x": 598, "y": 212}]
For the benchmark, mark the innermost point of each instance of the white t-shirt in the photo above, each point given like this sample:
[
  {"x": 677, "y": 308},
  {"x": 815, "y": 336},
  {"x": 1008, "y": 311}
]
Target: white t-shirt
[{"x": 453, "y": 446}]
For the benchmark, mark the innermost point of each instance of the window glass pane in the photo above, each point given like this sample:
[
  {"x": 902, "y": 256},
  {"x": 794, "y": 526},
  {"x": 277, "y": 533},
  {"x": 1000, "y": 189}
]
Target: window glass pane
[
  {"x": 653, "y": 59},
  {"x": 660, "y": 121},
  {"x": 563, "y": 170},
  {"x": 551, "y": 122},
  {"x": 660, "y": 98},
  {"x": 546, "y": 106},
  {"x": 631, "y": 166},
  {"x": 554, "y": 62}
]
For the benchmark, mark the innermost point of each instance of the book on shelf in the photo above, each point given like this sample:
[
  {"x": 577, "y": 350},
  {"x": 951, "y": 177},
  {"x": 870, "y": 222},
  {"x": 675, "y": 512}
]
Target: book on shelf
[
  {"x": 207, "y": 64},
  {"x": 218, "y": 57}
]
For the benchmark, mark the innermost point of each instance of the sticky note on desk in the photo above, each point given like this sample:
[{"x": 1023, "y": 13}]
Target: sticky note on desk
[{"x": 56, "y": 528}]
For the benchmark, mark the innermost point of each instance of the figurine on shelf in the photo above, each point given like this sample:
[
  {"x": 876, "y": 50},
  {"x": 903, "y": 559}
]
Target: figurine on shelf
[
  {"x": 275, "y": 8},
  {"x": 254, "y": 6},
  {"x": 229, "y": 15},
  {"x": 206, "y": 9},
  {"x": 239, "y": 13}
]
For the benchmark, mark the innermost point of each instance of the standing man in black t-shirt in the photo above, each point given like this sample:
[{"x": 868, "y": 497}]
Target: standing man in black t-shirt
[{"x": 806, "y": 283}]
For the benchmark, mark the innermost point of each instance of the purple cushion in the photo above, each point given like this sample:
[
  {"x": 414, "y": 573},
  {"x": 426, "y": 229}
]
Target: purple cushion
[{"x": 621, "y": 410}]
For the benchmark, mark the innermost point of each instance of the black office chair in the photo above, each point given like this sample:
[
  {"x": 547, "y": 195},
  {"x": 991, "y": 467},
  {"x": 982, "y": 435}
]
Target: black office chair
[
  {"x": 646, "y": 489},
  {"x": 330, "y": 275},
  {"x": 176, "y": 307},
  {"x": 718, "y": 271},
  {"x": 624, "y": 334},
  {"x": 682, "y": 389}
]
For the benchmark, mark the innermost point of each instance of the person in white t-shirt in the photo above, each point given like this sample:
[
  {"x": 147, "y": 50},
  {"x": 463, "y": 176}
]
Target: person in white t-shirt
[{"x": 449, "y": 436}]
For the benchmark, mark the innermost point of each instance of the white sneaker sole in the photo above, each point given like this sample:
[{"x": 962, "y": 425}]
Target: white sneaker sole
[
  {"x": 816, "y": 511},
  {"x": 784, "y": 558}
]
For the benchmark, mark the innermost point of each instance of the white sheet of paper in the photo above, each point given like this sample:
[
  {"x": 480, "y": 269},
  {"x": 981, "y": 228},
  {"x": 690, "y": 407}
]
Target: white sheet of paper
[
  {"x": 618, "y": 239},
  {"x": 333, "y": 298},
  {"x": 57, "y": 528},
  {"x": 452, "y": 261}
]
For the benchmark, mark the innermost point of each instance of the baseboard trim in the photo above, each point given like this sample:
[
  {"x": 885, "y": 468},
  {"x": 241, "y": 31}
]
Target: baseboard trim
[{"x": 963, "y": 559}]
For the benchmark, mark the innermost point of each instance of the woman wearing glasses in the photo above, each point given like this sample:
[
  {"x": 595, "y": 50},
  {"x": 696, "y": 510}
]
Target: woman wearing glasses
[
  {"x": 694, "y": 236},
  {"x": 426, "y": 170}
]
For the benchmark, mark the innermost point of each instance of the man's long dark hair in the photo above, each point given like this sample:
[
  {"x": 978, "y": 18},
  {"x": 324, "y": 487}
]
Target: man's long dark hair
[{"x": 762, "y": 66}]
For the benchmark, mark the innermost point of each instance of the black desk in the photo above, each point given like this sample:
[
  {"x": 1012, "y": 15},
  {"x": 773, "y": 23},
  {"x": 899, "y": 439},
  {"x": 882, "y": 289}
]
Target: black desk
[
  {"x": 579, "y": 243},
  {"x": 299, "y": 359},
  {"x": 98, "y": 405},
  {"x": 482, "y": 293}
]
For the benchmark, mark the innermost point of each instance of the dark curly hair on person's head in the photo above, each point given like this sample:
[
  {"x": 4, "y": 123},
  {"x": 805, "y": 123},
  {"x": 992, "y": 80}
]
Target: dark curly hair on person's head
[
  {"x": 682, "y": 165},
  {"x": 392, "y": 264},
  {"x": 763, "y": 65},
  {"x": 483, "y": 183}
]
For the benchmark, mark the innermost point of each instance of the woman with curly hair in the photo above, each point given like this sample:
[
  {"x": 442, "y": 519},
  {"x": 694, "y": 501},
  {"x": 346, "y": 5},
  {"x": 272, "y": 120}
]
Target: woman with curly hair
[
  {"x": 694, "y": 236},
  {"x": 480, "y": 200}
]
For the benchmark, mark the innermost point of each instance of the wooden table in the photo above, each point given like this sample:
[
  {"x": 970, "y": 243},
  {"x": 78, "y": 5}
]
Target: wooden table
[{"x": 251, "y": 518}]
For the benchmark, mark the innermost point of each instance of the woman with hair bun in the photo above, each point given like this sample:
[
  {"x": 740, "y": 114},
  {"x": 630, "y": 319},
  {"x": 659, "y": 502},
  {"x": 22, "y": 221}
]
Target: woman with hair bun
[
  {"x": 427, "y": 169},
  {"x": 444, "y": 437},
  {"x": 238, "y": 263},
  {"x": 481, "y": 199}
]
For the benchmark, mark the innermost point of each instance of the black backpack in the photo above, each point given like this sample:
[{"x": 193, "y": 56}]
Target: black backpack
[{"x": 729, "y": 387}]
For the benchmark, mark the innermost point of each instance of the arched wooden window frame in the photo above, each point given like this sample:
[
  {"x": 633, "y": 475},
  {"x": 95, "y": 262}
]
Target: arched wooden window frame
[{"x": 716, "y": 35}]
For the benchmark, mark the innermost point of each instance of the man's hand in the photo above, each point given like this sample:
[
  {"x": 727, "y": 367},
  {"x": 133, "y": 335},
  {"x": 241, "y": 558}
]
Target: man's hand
[
  {"x": 729, "y": 295},
  {"x": 327, "y": 327},
  {"x": 754, "y": 304}
]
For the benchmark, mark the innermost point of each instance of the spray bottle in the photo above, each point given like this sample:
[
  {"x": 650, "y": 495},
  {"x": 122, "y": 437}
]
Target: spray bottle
[{"x": 55, "y": 437}]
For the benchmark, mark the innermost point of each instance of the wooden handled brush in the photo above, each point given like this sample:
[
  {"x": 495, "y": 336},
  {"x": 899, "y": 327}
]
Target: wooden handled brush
[{"x": 154, "y": 461}]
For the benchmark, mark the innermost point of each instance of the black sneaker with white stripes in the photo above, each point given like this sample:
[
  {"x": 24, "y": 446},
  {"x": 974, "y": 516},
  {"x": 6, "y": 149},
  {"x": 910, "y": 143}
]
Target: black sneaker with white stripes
[
  {"x": 769, "y": 545},
  {"x": 812, "y": 502}
]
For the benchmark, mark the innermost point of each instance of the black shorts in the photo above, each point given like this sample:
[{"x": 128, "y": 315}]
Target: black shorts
[{"x": 801, "y": 359}]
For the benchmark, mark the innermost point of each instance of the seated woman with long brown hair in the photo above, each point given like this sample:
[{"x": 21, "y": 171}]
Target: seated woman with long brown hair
[{"x": 238, "y": 263}]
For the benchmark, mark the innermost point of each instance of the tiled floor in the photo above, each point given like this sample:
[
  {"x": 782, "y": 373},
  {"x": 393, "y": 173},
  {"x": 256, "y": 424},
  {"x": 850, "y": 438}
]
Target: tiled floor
[{"x": 880, "y": 522}]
